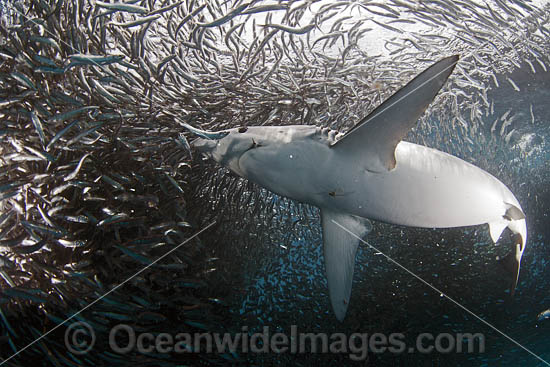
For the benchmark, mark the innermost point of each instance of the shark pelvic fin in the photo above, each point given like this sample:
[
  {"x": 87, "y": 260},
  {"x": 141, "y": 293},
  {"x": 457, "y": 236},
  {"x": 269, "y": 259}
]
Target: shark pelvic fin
[
  {"x": 339, "y": 248},
  {"x": 496, "y": 228},
  {"x": 375, "y": 137}
]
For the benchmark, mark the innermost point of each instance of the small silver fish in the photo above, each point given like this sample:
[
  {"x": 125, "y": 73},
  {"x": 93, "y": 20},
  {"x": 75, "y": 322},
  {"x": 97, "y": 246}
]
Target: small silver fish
[{"x": 543, "y": 315}]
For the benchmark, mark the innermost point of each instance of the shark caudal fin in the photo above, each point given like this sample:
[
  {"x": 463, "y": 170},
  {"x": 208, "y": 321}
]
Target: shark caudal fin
[
  {"x": 339, "y": 248},
  {"x": 511, "y": 264},
  {"x": 514, "y": 219}
]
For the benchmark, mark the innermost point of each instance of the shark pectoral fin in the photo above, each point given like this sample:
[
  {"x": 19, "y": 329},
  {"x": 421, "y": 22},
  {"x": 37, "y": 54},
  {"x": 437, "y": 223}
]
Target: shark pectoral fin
[
  {"x": 496, "y": 228},
  {"x": 339, "y": 248},
  {"x": 375, "y": 137}
]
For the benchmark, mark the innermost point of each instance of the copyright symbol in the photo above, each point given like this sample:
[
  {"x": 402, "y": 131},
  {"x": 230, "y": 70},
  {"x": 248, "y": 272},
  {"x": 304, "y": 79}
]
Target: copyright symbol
[{"x": 79, "y": 338}]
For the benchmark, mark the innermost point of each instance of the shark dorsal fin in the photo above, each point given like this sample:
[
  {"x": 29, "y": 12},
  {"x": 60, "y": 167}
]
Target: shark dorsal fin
[{"x": 375, "y": 137}]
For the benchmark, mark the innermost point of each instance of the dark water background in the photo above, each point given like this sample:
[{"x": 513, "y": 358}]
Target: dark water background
[{"x": 288, "y": 287}]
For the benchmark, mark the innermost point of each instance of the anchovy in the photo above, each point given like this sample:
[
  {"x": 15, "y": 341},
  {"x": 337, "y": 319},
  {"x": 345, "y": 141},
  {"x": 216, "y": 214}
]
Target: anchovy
[
  {"x": 54, "y": 232},
  {"x": 73, "y": 113},
  {"x": 82, "y": 59},
  {"x": 543, "y": 315},
  {"x": 389, "y": 27},
  {"x": 77, "y": 169},
  {"x": 166, "y": 8},
  {"x": 23, "y": 79},
  {"x": 26, "y": 294},
  {"x": 112, "y": 182},
  {"x": 119, "y": 6},
  {"x": 136, "y": 22},
  {"x": 235, "y": 12},
  {"x": 541, "y": 64},
  {"x": 42, "y": 155},
  {"x": 60, "y": 134},
  {"x": 514, "y": 85},
  {"x": 205, "y": 134},
  {"x": 29, "y": 249},
  {"x": 188, "y": 17},
  {"x": 46, "y": 40},
  {"x": 49, "y": 70},
  {"x": 182, "y": 140},
  {"x": 264, "y": 8},
  {"x": 39, "y": 128},
  {"x": 71, "y": 244},
  {"x": 84, "y": 133},
  {"x": 287, "y": 29},
  {"x": 44, "y": 60},
  {"x": 135, "y": 255}
]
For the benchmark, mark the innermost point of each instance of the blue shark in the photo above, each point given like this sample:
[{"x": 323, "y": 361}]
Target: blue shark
[{"x": 371, "y": 173}]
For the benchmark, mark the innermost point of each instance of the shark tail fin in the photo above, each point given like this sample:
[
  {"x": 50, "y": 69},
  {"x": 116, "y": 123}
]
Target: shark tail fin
[
  {"x": 511, "y": 262},
  {"x": 514, "y": 219}
]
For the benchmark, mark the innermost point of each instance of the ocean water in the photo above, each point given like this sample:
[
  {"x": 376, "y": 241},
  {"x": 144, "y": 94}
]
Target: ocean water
[{"x": 113, "y": 205}]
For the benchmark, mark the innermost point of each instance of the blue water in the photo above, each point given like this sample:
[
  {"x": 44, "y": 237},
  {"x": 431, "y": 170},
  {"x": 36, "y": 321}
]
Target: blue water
[{"x": 289, "y": 287}]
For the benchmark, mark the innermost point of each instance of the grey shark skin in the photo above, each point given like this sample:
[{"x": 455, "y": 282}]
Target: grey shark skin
[{"x": 370, "y": 173}]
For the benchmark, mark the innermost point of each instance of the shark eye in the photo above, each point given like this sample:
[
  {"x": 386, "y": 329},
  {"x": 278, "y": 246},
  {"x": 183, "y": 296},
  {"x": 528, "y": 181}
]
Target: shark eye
[{"x": 243, "y": 129}]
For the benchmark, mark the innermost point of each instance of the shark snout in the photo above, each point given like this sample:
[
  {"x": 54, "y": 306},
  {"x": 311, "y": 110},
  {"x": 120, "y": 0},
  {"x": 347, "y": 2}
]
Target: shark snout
[{"x": 204, "y": 145}]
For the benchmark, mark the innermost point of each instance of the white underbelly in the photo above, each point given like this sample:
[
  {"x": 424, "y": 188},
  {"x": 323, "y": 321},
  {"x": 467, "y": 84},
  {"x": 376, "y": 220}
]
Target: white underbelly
[{"x": 427, "y": 188}]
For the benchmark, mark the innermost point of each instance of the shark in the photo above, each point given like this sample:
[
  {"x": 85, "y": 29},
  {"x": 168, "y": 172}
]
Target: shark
[{"x": 371, "y": 173}]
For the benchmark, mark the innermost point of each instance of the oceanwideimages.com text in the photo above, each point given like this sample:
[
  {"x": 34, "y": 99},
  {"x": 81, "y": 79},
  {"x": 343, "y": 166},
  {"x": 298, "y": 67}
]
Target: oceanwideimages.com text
[{"x": 124, "y": 339}]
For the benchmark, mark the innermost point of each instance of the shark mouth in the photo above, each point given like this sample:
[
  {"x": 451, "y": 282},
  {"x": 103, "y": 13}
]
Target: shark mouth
[{"x": 253, "y": 145}]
